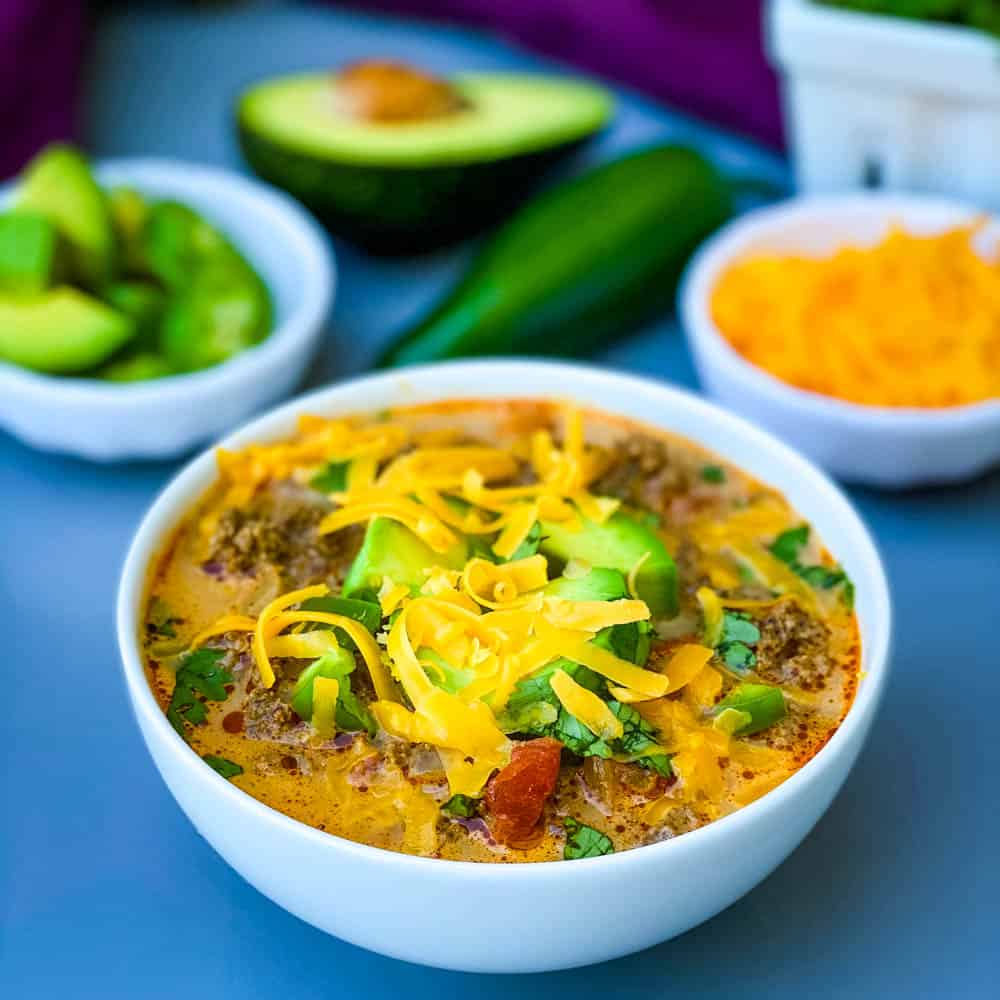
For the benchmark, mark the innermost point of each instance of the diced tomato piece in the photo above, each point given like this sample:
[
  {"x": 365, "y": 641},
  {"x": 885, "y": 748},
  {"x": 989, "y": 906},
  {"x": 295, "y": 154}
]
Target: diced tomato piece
[{"x": 515, "y": 796}]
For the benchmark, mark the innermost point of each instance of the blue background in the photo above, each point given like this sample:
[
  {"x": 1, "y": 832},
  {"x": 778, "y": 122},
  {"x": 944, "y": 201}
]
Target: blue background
[{"x": 106, "y": 890}]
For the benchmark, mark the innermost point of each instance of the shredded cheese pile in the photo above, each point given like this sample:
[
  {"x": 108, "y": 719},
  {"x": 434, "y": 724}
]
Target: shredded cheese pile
[{"x": 913, "y": 321}]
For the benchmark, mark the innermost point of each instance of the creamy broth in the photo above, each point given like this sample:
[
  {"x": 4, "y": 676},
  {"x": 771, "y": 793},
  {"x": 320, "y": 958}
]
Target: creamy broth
[{"x": 722, "y": 650}]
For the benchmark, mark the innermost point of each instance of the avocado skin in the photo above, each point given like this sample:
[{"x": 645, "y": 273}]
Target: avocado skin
[
  {"x": 401, "y": 210},
  {"x": 618, "y": 544},
  {"x": 391, "y": 550}
]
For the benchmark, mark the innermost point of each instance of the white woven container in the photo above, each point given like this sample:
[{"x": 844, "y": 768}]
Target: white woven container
[{"x": 886, "y": 102}]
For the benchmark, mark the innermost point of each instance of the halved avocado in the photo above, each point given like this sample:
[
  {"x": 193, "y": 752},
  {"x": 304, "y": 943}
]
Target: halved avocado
[
  {"x": 400, "y": 161},
  {"x": 60, "y": 331}
]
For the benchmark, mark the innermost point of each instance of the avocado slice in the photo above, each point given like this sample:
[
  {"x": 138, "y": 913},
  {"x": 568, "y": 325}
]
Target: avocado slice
[
  {"x": 619, "y": 543},
  {"x": 60, "y": 331},
  {"x": 401, "y": 186},
  {"x": 391, "y": 550},
  {"x": 144, "y": 303},
  {"x": 598, "y": 584},
  {"x": 32, "y": 256},
  {"x": 135, "y": 367},
  {"x": 129, "y": 211},
  {"x": 59, "y": 185}
]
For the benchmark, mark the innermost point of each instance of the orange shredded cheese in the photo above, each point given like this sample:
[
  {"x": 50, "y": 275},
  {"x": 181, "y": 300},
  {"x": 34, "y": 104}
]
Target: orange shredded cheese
[{"x": 912, "y": 321}]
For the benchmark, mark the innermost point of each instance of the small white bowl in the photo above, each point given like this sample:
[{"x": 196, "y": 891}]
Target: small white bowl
[
  {"x": 160, "y": 418},
  {"x": 513, "y": 917},
  {"x": 875, "y": 445}
]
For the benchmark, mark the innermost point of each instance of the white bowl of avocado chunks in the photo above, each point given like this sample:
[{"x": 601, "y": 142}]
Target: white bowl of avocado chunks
[{"x": 146, "y": 306}]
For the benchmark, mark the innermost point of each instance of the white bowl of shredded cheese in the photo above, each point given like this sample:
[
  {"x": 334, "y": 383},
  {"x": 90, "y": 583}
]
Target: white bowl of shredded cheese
[{"x": 892, "y": 446}]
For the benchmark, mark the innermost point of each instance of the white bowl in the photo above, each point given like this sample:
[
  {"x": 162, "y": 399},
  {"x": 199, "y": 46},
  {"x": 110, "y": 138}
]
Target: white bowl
[
  {"x": 879, "y": 446},
  {"x": 165, "y": 417},
  {"x": 512, "y": 917}
]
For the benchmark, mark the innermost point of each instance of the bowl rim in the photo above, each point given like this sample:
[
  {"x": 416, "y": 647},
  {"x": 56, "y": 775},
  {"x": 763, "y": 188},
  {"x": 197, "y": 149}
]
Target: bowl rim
[
  {"x": 175, "y": 499},
  {"x": 729, "y": 243},
  {"x": 279, "y": 213}
]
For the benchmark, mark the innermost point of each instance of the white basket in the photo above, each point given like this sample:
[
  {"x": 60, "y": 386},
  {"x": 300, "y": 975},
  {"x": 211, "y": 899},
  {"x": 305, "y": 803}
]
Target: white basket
[{"x": 885, "y": 102}]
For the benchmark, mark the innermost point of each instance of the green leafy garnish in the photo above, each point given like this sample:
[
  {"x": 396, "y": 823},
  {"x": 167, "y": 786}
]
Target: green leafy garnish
[
  {"x": 222, "y": 766},
  {"x": 367, "y": 612},
  {"x": 787, "y": 547},
  {"x": 530, "y": 544},
  {"x": 577, "y": 738},
  {"x": 461, "y": 806},
  {"x": 631, "y": 642},
  {"x": 160, "y": 620},
  {"x": 714, "y": 474},
  {"x": 584, "y": 841},
  {"x": 332, "y": 478},
  {"x": 198, "y": 673},
  {"x": 739, "y": 633},
  {"x": 637, "y": 739}
]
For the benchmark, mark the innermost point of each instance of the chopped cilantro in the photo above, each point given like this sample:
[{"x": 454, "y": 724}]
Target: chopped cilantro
[
  {"x": 198, "y": 673},
  {"x": 461, "y": 806},
  {"x": 480, "y": 548},
  {"x": 787, "y": 547},
  {"x": 332, "y": 478},
  {"x": 577, "y": 738},
  {"x": 222, "y": 766},
  {"x": 738, "y": 657},
  {"x": 637, "y": 739},
  {"x": 739, "y": 633},
  {"x": 631, "y": 642},
  {"x": 368, "y": 613},
  {"x": 584, "y": 841},
  {"x": 714, "y": 474},
  {"x": 530, "y": 544},
  {"x": 160, "y": 620}
]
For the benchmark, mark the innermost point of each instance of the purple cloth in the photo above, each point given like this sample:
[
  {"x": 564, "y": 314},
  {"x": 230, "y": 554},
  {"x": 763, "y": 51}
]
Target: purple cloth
[
  {"x": 41, "y": 46},
  {"x": 704, "y": 56}
]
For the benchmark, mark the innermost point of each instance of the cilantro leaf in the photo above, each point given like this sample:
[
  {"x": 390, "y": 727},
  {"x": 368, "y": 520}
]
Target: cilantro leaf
[
  {"x": 577, "y": 738},
  {"x": 352, "y": 714},
  {"x": 461, "y": 806},
  {"x": 198, "y": 673},
  {"x": 222, "y": 766},
  {"x": 787, "y": 546},
  {"x": 332, "y": 478},
  {"x": 160, "y": 620},
  {"x": 530, "y": 544},
  {"x": 584, "y": 841},
  {"x": 714, "y": 474},
  {"x": 738, "y": 656},
  {"x": 631, "y": 642},
  {"x": 638, "y": 738},
  {"x": 738, "y": 627}
]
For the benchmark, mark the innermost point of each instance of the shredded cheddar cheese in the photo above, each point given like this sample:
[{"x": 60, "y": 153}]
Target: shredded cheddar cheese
[{"x": 913, "y": 321}]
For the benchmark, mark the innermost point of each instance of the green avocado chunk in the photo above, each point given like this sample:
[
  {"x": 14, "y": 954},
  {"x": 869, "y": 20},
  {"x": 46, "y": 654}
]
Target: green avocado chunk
[
  {"x": 142, "y": 302},
  {"x": 391, "y": 550},
  {"x": 223, "y": 310},
  {"x": 60, "y": 331},
  {"x": 597, "y": 584},
  {"x": 59, "y": 185},
  {"x": 619, "y": 544},
  {"x": 31, "y": 257},
  {"x": 138, "y": 367},
  {"x": 129, "y": 211},
  {"x": 404, "y": 187}
]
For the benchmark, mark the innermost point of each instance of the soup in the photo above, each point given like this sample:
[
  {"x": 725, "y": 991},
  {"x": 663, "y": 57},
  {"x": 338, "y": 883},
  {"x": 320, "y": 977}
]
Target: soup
[{"x": 498, "y": 631}]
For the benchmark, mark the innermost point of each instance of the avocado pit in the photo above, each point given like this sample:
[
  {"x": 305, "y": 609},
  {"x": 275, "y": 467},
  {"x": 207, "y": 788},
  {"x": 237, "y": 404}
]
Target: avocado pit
[{"x": 384, "y": 92}]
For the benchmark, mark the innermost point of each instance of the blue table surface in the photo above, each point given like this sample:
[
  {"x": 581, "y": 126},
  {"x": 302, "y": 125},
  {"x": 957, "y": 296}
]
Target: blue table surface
[{"x": 105, "y": 888}]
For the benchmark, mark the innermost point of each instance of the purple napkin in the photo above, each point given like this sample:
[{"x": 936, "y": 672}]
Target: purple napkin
[
  {"x": 704, "y": 56},
  {"x": 41, "y": 45}
]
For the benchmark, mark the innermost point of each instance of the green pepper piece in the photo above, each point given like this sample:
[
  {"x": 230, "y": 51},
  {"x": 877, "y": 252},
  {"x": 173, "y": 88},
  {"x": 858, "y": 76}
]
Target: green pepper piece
[
  {"x": 32, "y": 257},
  {"x": 764, "y": 704},
  {"x": 368, "y": 613}
]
